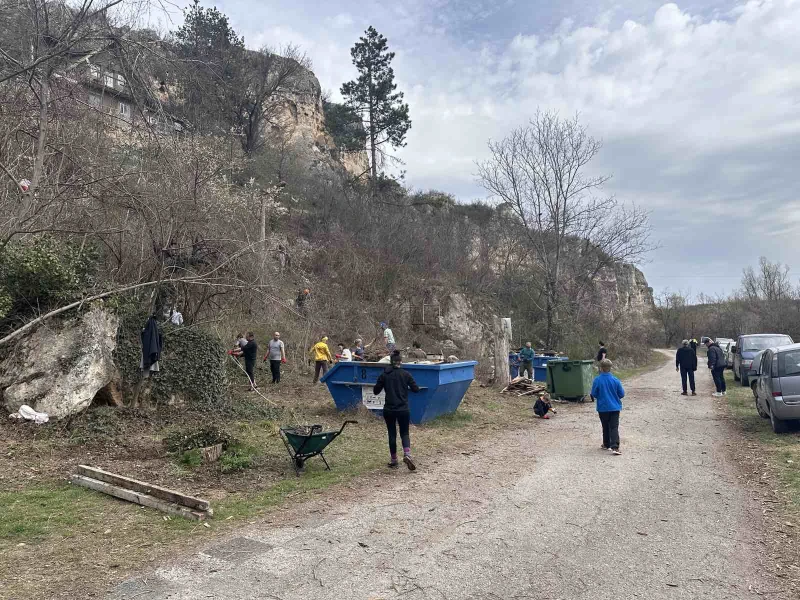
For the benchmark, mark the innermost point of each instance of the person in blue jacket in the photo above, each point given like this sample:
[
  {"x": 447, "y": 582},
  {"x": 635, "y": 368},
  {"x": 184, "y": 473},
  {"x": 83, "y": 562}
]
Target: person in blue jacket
[{"x": 607, "y": 391}]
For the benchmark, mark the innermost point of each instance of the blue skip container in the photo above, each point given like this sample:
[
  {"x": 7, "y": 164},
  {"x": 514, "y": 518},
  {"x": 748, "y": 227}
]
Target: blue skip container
[
  {"x": 442, "y": 387},
  {"x": 540, "y": 366}
]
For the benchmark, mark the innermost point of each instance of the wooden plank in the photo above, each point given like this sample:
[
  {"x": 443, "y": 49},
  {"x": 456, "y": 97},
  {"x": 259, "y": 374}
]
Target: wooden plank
[
  {"x": 144, "y": 488},
  {"x": 138, "y": 498}
]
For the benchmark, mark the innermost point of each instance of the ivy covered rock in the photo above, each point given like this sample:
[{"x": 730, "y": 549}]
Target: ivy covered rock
[
  {"x": 192, "y": 365},
  {"x": 62, "y": 366}
]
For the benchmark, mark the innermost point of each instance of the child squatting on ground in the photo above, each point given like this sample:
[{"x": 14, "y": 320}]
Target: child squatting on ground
[
  {"x": 607, "y": 391},
  {"x": 396, "y": 381},
  {"x": 543, "y": 406}
]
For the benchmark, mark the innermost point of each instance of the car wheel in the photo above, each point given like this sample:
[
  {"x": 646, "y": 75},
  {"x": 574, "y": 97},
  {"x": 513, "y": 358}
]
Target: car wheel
[
  {"x": 754, "y": 388},
  {"x": 778, "y": 426},
  {"x": 743, "y": 379}
]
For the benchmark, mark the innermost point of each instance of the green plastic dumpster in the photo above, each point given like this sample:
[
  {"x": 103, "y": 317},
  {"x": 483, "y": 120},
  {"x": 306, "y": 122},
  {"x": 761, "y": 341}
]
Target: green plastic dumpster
[{"x": 570, "y": 379}]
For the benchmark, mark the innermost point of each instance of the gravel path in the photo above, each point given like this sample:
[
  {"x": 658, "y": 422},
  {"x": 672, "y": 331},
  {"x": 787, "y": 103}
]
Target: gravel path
[{"x": 541, "y": 513}]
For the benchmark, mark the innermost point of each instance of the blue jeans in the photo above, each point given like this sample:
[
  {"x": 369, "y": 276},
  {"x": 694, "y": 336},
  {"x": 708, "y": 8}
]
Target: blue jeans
[{"x": 718, "y": 375}]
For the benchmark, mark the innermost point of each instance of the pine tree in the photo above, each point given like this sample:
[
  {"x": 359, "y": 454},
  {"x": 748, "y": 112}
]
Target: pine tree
[{"x": 373, "y": 95}]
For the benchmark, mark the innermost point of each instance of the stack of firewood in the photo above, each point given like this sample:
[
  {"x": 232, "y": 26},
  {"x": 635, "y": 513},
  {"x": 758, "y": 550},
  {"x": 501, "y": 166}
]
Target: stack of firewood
[{"x": 522, "y": 386}]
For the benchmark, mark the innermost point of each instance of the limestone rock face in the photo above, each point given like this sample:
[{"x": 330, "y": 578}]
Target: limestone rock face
[
  {"x": 59, "y": 369},
  {"x": 302, "y": 124}
]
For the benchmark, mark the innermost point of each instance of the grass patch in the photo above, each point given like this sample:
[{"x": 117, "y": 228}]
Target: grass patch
[
  {"x": 35, "y": 513},
  {"x": 460, "y": 418},
  {"x": 780, "y": 451}
]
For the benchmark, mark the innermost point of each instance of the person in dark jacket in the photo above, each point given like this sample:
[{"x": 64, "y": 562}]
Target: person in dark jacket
[
  {"x": 602, "y": 353},
  {"x": 526, "y": 356},
  {"x": 250, "y": 353},
  {"x": 396, "y": 382},
  {"x": 716, "y": 362},
  {"x": 693, "y": 345},
  {"x": 686, "y": 363}
]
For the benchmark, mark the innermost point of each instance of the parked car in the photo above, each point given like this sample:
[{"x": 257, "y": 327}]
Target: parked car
[
  {"x": 727, "y": 349},
  {"x": 778, "y": 386},
  {"x": 754, "y": 371},
  {"x": 747, "y": 346},
  {"x": 724, "y": 341}
]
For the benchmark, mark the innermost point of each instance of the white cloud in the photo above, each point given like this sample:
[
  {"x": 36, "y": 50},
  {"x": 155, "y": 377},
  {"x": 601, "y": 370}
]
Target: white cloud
[{"x": 341, "y": 21}]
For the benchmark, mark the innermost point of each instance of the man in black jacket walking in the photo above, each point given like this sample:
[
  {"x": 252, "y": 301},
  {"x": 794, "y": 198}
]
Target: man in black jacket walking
[
  {"x": 396, "y": 382},
  {"x": 686, "y": 363}
]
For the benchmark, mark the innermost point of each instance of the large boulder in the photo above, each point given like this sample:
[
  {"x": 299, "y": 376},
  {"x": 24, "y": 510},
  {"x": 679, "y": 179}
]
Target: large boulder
[{"x": 61, "y": 367}]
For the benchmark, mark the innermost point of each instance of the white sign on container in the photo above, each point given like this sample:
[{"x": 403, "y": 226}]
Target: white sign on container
[{"x": 372, "y": 401}]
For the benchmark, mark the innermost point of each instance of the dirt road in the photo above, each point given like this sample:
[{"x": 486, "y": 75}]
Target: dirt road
[{"x": 541, "y": 513}]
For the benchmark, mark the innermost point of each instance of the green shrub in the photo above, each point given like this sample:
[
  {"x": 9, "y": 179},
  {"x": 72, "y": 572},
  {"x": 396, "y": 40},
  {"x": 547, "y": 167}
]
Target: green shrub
[
  {"x": 182, "y": 441},
  {"x": 237, "y": 458},
  {"x": 44, "y": 272},
  {"x": 192, "y": 458}
]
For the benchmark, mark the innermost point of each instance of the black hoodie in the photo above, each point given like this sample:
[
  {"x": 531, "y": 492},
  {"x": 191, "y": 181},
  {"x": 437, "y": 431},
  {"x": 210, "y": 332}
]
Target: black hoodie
[{"x": 396, "y": 381}]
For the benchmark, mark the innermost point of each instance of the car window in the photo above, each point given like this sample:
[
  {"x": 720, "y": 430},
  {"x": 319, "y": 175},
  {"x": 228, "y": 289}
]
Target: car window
[
  {"x": 765, "y": 364},
  {"x": 762, "y": 342},
  {"x": 789, "y": 363}
]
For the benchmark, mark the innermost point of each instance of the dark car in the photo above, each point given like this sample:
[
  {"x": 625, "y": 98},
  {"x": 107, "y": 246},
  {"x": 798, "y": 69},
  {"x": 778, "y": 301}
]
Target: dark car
[{"x": 747, "y": 346}]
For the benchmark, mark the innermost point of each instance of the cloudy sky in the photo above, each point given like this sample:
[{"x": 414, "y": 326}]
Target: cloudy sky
[{"x": 698, "y": 104}]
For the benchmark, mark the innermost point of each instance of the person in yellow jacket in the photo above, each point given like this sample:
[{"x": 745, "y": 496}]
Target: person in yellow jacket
[{"x": 322, "y": 356}]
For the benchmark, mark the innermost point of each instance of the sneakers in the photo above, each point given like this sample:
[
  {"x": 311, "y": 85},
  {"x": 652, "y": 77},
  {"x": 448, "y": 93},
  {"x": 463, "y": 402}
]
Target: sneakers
[
  {"x": 393, "y": 464},
  {"x": 725, "y": 393},
  {"x": 604, "y": 448},
  {"x": 694, "y": 393},
  {"x": 409, "y": 462},
  {"x": 684, "y": 394},
  {"x": 616, "y": 452},
  {"x": 717, "y": 394},
  {"x": 546, "y": 417}
]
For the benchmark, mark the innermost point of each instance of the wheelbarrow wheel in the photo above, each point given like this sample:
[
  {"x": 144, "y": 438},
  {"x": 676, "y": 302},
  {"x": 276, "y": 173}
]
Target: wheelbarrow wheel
[{"x": 298, "y": 463}]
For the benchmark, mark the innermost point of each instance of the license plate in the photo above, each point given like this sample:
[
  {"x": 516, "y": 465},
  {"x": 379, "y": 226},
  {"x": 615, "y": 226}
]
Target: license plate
[{"x": 372, "y": 401}]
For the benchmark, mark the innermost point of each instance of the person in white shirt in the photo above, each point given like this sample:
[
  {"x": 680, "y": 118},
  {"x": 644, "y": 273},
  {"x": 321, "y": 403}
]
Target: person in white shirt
[
  {"x": 276, "y": 356},
  {"x": 344, "y": 354},
  {"x": 388, "y": 338}
]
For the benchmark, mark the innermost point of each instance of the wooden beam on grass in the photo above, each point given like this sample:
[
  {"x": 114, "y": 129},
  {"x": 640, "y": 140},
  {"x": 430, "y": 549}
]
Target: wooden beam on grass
[{"x": 142, "y": 487}]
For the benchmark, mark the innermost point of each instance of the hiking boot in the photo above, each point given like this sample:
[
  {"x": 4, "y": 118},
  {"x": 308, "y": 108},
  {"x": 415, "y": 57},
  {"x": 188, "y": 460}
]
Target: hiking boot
[
  {"x": 393, "y": 464},
  {"x": 409, "y": 462}
]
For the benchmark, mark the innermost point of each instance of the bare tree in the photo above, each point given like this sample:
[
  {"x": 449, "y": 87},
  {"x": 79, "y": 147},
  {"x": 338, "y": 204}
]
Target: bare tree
[
  {"x": 541, "y": 172},
  {"x": 770, "y": 283}
]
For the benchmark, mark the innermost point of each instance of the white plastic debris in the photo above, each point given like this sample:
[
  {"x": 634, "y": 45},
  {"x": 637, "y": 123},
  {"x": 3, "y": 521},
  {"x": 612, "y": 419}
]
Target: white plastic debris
[{"x": 26, "y": 413}]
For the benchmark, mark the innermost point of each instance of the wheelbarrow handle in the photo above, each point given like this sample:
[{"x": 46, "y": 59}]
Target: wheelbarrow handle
[{"x": 345, "y": 425}]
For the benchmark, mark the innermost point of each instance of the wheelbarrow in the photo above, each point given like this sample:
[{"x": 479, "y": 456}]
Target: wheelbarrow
[{"x": 306, "y": 441}]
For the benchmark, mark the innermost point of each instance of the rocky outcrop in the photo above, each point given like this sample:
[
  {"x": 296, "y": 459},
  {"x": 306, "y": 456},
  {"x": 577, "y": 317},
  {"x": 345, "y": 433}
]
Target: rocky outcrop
[
  {"x": 301, "y": 123},
  {"x": 624, "y": 288},
  {"x": 60, "y": 369}
]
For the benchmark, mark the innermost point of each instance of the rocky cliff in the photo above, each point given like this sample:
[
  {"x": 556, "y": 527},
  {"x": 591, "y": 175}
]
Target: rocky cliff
[
  {"x": 301, "y": 123},
  {"x": 624, "y": 288}
]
